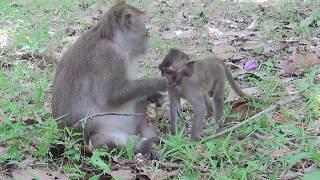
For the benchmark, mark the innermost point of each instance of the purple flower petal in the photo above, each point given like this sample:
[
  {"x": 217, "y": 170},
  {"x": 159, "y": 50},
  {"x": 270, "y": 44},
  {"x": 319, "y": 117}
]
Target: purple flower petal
[{"x": 250, "y": 65}]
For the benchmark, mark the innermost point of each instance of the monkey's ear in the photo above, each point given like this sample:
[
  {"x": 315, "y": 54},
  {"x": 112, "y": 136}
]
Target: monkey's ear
[
  {"x": 128, "y": 19},
  {"x": 189, "y": 68}
]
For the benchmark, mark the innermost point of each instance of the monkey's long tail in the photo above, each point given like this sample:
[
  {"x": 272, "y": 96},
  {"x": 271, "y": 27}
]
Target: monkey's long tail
[
  {"x": 233, "y": 84},
  {"x": 237, "y": 89}
]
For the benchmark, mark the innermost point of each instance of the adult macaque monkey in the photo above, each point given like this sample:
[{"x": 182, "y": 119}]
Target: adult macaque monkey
[
  {"x": 99, "y": 73},
  {"x": 196, "y": 81}
]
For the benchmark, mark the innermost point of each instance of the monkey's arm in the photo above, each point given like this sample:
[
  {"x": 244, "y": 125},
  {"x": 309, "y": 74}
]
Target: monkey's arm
[
  {"x": 175, "y": 106},
  {"x": 134, "y": 89}
]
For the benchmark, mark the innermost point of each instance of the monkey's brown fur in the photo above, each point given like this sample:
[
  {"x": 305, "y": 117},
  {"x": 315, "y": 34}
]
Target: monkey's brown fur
[
  {"x": 196, "y": 81},
  {"x": 99, "y": 73}
]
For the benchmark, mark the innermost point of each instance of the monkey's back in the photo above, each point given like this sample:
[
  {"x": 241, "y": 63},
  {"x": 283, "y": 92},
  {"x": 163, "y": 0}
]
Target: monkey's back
[
  {"x": 206, "y": 71},
  {"x": 75, "y": 76}
]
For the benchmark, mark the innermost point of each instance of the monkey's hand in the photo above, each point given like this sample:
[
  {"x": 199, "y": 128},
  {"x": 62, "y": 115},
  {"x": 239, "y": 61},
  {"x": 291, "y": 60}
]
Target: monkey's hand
[{"x": 156, "y": 98}]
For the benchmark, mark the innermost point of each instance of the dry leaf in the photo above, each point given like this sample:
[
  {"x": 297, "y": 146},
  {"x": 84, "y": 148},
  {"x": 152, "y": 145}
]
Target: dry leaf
[
  {"x": 281, "y": 153},
  {"x": 214, "y": 32},
  {"x": 291, "y": 39},
  {"x": 122, "y": 173},
  {"x": 200, "y": 149},
  {"x": 3, "y": 149},
  {"x": 279, "y": 118},
  {"x": 30, "y": 174},
  {"x": 3, "y": 39},
  {"x": 243, "y": 110},
  {"x": 278, "y": 153},
  {"x": 162, "y": 175},
  {"x": 299, "y": 61},
  {"x": 223, "y": 50},
  {"x": 310, "y": 59},
  {"x": 257, "y": 135},
  {"x": 289, "y": 175}
]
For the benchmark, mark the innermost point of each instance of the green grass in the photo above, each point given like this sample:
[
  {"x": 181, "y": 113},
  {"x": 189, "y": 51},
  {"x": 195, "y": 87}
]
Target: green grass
[{"x": 28, "y": 130}]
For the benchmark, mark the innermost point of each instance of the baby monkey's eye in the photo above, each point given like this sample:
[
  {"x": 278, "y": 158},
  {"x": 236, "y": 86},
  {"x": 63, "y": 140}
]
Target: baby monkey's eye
[{"x": 167, "y": 71}]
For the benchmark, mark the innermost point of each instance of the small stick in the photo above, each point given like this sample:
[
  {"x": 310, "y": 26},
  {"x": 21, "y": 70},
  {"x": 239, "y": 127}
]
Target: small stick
[
  {"x": 255, "y": 117},
  {"x": 116, "y": 114},
  {"x": 108, "y": 114}
]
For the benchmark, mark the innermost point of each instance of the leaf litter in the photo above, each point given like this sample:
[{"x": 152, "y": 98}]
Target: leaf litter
[{"x": 236, "y": 41}]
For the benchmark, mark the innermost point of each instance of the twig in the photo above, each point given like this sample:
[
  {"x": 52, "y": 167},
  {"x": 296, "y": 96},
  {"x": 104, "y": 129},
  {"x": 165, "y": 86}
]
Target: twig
[
  {"x": 255, "y": 117},
  {"x": 107, "y": 114},
  {"x": 174, "y": 165},
  {"x": 116, "y": 114}
]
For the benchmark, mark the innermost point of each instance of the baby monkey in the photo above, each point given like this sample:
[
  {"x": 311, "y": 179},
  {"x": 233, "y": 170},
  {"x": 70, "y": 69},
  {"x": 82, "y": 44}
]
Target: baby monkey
[{"x": 196, "y": 81}]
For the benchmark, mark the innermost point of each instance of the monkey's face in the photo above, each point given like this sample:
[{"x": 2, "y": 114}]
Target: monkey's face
[
  {"x": 137, "y": 33},
  {"x": 174, "y": 75}
]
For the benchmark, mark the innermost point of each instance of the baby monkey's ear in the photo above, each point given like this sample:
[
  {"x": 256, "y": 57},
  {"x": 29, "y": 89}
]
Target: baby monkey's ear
[{"x": 189, "y": 68}]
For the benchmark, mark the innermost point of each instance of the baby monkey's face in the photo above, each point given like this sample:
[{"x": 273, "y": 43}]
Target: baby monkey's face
[{"x": 176, "y": 72}]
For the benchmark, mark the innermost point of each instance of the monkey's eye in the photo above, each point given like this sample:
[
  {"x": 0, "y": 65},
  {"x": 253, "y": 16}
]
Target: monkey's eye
[{"x": 167, "y": 71}]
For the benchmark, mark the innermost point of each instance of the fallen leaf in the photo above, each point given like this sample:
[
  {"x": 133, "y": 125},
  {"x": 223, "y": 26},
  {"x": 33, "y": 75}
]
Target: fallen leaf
[
  {"x": 268, "y": 49},
  {"x": 299, "y": 62},
  {"x": 303, "y": 163},
  {"x": 262, "y": 137},
  {"x": 281, "y": 152},
  {"x": 3, "y": 39},
  {"x": 3, "y": 149},
  {"x": 122, "y": 174},
  {"x": 289, "y": 68},
  {"x": 279, "y": 118},
  {"x": 300, "y": 125},
  {"x": 223, "y": 50},
  {"x": 243, "y": 110},
  {"x": 30, "y": 174},
  {"x": 291, "y": 39},
  {"x": 289, "y": 175},
  {"x": 291, "y": 89},
  {"x": 309, "y": 59},
  {"x": 200, "y": 149},
  {"x": 160, "y": 174},
  {"x": 237, "y": 57},
  {"x": 214, "y": 32}
]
